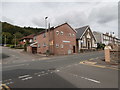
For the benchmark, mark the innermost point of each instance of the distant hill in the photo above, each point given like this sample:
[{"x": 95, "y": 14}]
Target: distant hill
[{"x": 10, "y": 30}]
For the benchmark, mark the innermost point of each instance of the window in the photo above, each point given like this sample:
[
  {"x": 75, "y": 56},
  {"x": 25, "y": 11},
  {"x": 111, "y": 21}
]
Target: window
[
  {"x": 69, "y": 34},
  {"x": 61, "y": 32},
  {"x": 57, "y": 32},
  {"x": 34, "y": 37},
  {"x": 39, "y": 45},
  {"x": 44, "y": 35},
  {"x": 73, "y": 35},
  {"x": 57, "y": 45},
  {"x": 44, "y": 45},
  {"x": 62, "y": 45}
]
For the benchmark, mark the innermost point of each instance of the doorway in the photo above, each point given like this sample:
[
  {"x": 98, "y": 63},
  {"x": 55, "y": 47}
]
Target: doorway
[
  {"x": 88, "y": 44},
  {"x": 73, "y": 49},
  {"x": 34, "y": 50}
]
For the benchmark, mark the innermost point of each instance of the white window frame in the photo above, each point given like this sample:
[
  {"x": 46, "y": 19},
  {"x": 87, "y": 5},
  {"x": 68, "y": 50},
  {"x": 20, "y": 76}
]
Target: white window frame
[
  {"x": 62, "y": 46},
  {"x": 57, "y": 45},
  {"x": 61, "y": 32},
  {"x": 44, "y": 45},
  {"x": 73, "y": 35},
  {"x": 57, "y": 32}
]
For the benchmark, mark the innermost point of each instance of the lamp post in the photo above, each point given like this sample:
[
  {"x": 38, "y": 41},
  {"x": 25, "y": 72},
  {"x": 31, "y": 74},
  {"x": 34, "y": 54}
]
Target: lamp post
[
  {"x": 46, "y": 23},
  {"x": 47, "y": 52}
]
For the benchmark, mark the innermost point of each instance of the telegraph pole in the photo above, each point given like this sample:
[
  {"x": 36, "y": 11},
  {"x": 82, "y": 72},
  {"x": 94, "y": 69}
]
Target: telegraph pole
[
  {"x": 5, "y": 41},
  {"x": 15, "y": 39},
  {"x": 46, "y": 23}
]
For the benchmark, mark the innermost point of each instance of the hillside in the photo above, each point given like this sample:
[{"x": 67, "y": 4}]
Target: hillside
[{"x": 10, "y": 30}]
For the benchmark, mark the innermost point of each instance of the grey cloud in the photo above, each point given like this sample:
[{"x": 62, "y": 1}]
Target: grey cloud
[
  {"x": 38, "y": 22},
  {"x": 6, "y": 19},
  {"x": 104, "y": 14},
  {"x": 74, "y": 18}
]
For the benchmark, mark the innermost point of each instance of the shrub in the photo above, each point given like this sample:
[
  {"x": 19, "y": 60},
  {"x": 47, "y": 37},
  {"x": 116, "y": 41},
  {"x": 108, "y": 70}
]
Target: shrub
[
  {"x": 8, "y": 45},
  {"x": 12, "y": 46},
  {"x": 100, "y": 46}
]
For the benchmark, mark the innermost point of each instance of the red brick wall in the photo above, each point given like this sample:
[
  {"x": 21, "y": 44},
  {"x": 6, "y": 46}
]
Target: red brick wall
[
  {"x": 58, "y": 39},
  {"x": 41, "y": 40}
]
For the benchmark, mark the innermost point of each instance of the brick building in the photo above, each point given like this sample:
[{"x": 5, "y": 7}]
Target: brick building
[
  {"x": 25, "y": 39},
  {"x": 58, "y": 40}
]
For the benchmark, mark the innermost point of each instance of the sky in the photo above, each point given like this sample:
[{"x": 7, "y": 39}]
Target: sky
[{"x": 100, "y": 15}]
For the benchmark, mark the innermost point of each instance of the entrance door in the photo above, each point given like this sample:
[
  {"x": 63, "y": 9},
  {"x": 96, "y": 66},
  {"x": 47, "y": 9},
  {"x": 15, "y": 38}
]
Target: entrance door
[
  {"x": 34, "y": 50},
  {"x": 73, "y": 49},
  {"x": 88, "y": 44}
]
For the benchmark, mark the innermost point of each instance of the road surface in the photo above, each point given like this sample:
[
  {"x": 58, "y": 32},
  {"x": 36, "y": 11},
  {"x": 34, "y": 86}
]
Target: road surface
[{"x": 26, "y": 71}]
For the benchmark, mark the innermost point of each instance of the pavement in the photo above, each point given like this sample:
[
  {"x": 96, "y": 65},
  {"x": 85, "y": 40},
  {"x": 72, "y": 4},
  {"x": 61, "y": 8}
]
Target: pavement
[
  {"x": 29, "y": 71},
  {"x": 100, "y": 62}
]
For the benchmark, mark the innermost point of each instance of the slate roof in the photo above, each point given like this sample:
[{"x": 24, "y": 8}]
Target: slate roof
[{"x": 80, "y": 31}]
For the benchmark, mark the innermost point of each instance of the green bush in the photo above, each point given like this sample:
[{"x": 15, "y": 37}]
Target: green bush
[
  {"x": 19, "y": 47},
  {"x": 8, "y": 45},
  {"x": 100, "y": 46},
  {"x": 12, "y": 46}
]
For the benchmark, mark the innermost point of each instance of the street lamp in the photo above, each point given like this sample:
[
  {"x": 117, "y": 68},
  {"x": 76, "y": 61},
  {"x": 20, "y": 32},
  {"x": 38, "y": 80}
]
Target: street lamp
[{"x": 46, "y": 23}]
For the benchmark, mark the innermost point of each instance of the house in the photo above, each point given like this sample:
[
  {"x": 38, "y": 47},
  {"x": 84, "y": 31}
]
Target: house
[
  {"x": 58, "y": 40},
  {"x": 106, "y": 38},
  {"x": 85, "y": 38},
  {"x": 25, "y": 39}
]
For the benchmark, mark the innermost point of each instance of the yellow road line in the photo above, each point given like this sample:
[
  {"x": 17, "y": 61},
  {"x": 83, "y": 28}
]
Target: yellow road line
[
  {"x": 4, "y": 87},
  {"x": 100, "y": 66}
]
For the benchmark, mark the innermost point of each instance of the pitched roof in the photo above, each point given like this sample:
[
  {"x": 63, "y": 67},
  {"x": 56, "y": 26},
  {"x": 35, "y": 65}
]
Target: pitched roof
[
  {"x": 53, "y": 28},
  {"x": 80, "y": 31},
  {"x": 28, "y": 37},
  {"x": 66, "y": 24}
]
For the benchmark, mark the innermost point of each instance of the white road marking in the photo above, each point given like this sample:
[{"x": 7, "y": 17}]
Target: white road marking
[
  {"x": 23, "y": 76},
  {"x": 57, "y": 70},
  {"x": 15, "y": 65},
  {"x": 39, "y": 75},
  {"x": 91, "y": 79},
  {"x": 26, "y": 78}
]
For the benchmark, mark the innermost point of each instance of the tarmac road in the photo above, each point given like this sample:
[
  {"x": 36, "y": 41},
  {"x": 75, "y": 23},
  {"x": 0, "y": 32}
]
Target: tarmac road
[{"x": 56, "y": 72}]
